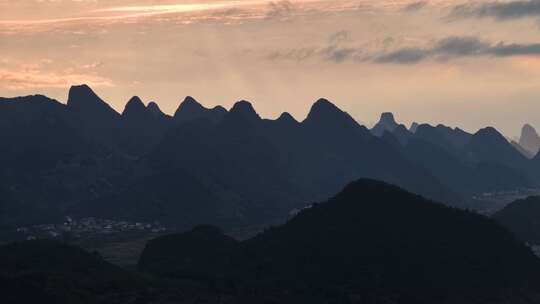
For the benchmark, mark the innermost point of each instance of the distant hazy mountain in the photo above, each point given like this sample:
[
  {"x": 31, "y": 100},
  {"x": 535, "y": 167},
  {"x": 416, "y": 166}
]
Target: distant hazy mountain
[
  {"x": 522, "y": 217},
  {"x": 529, "y": 139},
  {"x": 458, "y": 159},
  {"x": 488, "y": 145},
  {"x": 386, "y": 123},
  {"x": 522, "y": 150},
  {"x": 361, "y": 251},
  {"x": 452, "y": 140}
]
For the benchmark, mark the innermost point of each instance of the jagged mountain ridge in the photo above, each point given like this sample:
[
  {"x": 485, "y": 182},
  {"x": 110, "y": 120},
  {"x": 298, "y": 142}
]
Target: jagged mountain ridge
[
  {"x": 467, "y": 163},
  {"x": 239, "y": 157}
]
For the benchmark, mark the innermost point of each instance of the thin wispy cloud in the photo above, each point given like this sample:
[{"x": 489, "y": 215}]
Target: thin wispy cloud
[
  {"x": 44, "y": 74},
  {"x": 498, "y": 10},
  {"x": 442, "y": 50},
  {"x": 334, "y": 51},
  {"x": 31, "y": 79},
  {"x": 458, "y": 47},
  {"x": 415, "y": 6},
  {"x": 114, "y": 14}
]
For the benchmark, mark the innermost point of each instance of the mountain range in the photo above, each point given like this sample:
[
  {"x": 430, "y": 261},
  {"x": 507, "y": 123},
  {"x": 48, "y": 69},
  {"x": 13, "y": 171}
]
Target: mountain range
[
  {"x": 371, "y": 243},
  {"x": 227, "y": 167}
]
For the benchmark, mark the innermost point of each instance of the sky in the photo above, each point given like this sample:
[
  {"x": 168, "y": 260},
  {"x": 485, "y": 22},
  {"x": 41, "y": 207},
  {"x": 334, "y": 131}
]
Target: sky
[{"x": 466, "y": 64}]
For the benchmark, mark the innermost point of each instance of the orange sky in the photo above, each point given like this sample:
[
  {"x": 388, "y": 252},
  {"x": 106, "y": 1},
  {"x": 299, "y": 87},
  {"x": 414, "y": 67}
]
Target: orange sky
[{"x": 418, "y": 59}]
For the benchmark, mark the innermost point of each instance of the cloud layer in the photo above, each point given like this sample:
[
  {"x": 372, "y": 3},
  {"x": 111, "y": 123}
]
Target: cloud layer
[
  {"x": 456, "y": 47},
  {"x": 499, "y": 10}
]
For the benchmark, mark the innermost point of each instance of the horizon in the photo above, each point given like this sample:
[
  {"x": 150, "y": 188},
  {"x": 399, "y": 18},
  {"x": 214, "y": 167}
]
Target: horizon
[
  {"x": 119, "y": 108},
  {"x": 456, "y": 63}
]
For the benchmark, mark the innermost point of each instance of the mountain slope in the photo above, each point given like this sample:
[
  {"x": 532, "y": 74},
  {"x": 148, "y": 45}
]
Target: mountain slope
[
  {"x": 522, "y": 217},
  {"x": 53, "y": 272},
  {"x": 374, "y": 242}
]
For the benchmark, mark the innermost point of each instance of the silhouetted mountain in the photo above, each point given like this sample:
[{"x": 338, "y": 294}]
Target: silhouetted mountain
[
  {"x": 445, "y": 152},
  {"x": 488, "y": 145},
  {"x": 234, "y": 157},
  {"x": 347, "y": 151},
  {"x": 135, "y": 109},
  {"x": 286, "y": 121},
  {"x": 372, "y": 241},
  {"x": 461, "y": 175},
  {"x": 402, "y": 134},
  {"x": 84, "y": 156},
  {"x": 199, "y": 253},
  {"x": 325, "y": 118},
  {"x": 190, "y": 110},
  {"x": 522, "y": 217},
  {"x": 155, "y": 110},
  {"x": 36, "y": 134},
  {"x": 92, "y": 116},
  {"x": 452, "y": 140},
  {"x": 173, "y": 197},
  {"x": 529, "y": 139},
  {"x": 386, "y": 123},
  {"x": 243, "y": 112},
  {"x": 142, "y": 127},
  {"x": 52, "y": 272}
]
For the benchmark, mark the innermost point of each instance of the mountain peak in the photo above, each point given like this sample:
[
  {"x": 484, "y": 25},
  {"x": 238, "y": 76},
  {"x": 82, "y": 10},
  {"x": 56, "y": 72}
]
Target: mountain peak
[
  {"x": 190, "y": 101},
  {"x": 490, "y": 132},
  {"x": 82, "y": 94},
  {"x": 190, "y": 109},
  {"x": 134, "y": 106},
  {"x": 527, "y": 128},
  {"x": 323, "y": 106},
  {"x": 154, "y": 109},
  {"x": 529, "y": 139},
  {"x": 324, "y": 110},
  {"x": 245, "y": 110},
  {"x": 286, "y": 117},
  {"x": 84, "y": 100},
  {"x": 388, "y": 118},
  {"x": 189, "y": 106},
  {"x": 386, "y": 123}
]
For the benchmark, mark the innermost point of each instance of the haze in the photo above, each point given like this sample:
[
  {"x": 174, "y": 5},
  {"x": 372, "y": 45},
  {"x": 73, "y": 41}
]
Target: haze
[{"x": 466, "y": 64}]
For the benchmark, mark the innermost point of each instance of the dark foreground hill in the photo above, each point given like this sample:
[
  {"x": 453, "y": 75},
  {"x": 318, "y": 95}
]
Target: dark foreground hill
[
  {"x": 52, "y": 272},
  {"x": 371, "y": 243},
  {"x": 522, "y": 217}
]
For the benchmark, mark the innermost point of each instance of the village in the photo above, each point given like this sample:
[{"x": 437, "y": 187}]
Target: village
[{"x": 86, "y": 227}]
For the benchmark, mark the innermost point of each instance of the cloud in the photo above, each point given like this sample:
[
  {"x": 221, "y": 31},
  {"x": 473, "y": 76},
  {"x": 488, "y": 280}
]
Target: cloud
[
  {"x": 415, "y": 6},
  {"x": 30, "y": 76},
  {"x": 334, "y": 51},
  {"x": 280, "y": 9},
  {"x": 456, "y": 47},
  {"x": 498, "y": 10},
  {"x": 338, "y": 37},
  {"x": 441, "y": 50},
  {"x": 403, "y": 56}
]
